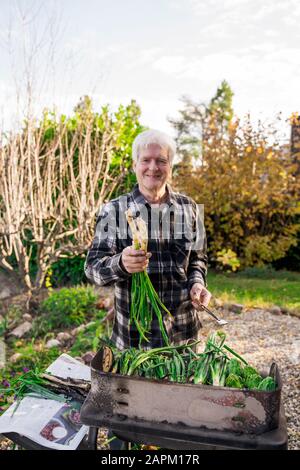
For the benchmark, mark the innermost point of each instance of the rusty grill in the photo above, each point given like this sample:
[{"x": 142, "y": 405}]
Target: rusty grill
[{"x": 185, "y": 416}]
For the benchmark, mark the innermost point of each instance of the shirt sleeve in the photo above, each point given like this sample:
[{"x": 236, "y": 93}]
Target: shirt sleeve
[
  {"x": 197, "y": 267},
  {"x": 103, "y": 265}
]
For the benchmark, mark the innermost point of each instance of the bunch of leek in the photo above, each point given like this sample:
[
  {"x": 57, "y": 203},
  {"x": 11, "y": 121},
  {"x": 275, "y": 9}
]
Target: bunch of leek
[
  {"x": 144, "y": 298},
  {"x": 181, "y": 364}
]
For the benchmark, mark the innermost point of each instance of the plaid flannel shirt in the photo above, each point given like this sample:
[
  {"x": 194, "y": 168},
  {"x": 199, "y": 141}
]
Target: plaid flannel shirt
[{"x": 173, "y": 267}]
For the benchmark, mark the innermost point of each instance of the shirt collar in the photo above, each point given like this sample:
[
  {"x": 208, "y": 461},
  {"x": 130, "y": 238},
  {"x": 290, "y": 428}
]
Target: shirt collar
[{"x": 139, "y": 198}]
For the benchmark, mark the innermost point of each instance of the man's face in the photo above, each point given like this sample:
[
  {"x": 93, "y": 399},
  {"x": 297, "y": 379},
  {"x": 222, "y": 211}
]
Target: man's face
[{"x": 152, "y": 168}]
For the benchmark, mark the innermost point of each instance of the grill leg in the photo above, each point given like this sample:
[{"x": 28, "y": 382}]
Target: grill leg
[{"x": 92, "y": 438}]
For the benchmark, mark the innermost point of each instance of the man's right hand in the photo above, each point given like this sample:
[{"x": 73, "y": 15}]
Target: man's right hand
[{"x": 134, "y": 261}]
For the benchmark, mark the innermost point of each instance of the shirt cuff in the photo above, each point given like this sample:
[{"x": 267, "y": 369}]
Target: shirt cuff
[
  {"x": 196, "y": 279},
  {"x": 118, "y": 268}
]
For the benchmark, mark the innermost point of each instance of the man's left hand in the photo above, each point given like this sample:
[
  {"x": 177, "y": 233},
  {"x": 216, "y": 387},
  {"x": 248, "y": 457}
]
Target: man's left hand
[{"x": 200, "y": 294}]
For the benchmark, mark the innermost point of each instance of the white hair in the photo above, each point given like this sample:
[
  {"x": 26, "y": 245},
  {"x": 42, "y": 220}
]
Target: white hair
[{"x": 152, "y": 136}]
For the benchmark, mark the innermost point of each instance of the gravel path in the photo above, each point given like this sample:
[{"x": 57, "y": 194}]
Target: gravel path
[{"x": 262, "y": 338}]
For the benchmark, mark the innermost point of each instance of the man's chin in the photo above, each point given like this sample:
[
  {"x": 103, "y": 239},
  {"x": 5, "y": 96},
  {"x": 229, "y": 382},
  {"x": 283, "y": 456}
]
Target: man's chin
[{"x": 153, "y": 186}]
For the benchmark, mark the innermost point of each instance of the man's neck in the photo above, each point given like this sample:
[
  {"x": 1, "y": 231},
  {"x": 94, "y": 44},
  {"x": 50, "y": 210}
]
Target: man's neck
[{"x": 156, "y": 197}]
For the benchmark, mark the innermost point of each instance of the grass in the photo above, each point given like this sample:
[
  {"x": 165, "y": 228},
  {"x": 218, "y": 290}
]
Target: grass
[{"x": 262, "y": 287}]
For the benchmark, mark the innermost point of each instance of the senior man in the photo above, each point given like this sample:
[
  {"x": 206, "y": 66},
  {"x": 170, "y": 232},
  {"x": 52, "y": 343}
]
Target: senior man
[{"x": 176, "y": 260}]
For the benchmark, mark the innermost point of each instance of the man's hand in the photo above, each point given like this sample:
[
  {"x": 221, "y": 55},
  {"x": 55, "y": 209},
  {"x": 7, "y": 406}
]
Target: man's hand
[
  {"x": 134, "y": 261},
  {"x": 201, "y": 294}
]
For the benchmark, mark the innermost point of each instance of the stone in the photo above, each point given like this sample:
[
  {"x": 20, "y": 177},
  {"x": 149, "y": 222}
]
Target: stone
[
  {"x": 15, "y": 358},
  {"x": 87, "y": 357},
  {"x": 215, "y": 303},
  {"x": 27, "y": 317},
  {"x": 63, "y": 337},
  {"x": 78, "y": 358},
  {"x": 21, "y": 330},
  {"x": 236, "y": 308},
  {"x": 77, "y": 330},
  {"x": 275, "y": 310},
  {"x": 80, "y": 328},
  {"x": 5, "y": 293},
  {"x": 52, "y": 343}
]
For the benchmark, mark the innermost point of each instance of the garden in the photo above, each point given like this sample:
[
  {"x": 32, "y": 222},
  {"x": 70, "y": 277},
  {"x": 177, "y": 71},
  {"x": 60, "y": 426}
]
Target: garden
[{"x": 58, "y": 171}]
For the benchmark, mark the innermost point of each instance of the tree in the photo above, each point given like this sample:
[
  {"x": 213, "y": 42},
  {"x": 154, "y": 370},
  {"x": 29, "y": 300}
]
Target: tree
[
  {"x": 54, "y": 176},
  {"x": 220, "y": 107},
  {"x": 193, "y": 127},
  {"x": 247, "y": 183}
]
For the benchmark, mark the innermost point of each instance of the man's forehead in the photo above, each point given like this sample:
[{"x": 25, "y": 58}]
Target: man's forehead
[{"x": 154, "y": 150}]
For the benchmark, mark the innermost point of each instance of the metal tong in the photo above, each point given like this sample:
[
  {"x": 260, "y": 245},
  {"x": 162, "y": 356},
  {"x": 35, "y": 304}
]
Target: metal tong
[{"x": 218, "y": 320}]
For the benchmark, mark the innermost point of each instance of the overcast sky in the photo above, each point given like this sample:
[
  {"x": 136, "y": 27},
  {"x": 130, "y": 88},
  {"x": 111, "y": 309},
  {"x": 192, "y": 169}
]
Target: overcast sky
[{"x": 155, "y": 51}]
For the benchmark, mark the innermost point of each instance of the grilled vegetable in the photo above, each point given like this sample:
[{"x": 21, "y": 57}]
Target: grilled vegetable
[
  {"x": 218, "y": 370},
  {"x": 234, "y": 367},
  {"x": 248, "y": 371},
  {"x": 234, "y": 381},
  {"x": 268, "y": 384},
  {"x": 181, "y": 364},
  {"x": 252, "y": 381}
]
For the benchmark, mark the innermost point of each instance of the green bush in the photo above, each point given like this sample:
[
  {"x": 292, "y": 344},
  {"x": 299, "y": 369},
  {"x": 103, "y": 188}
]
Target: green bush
[
  {"x": 88, "y": 339},
  {"x": 68, "y": 271},
  {"x": 69, "y": 306}
]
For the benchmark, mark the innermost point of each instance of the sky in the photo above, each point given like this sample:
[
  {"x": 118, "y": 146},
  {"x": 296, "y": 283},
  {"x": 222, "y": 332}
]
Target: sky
[{"x": 152, "y": 51}]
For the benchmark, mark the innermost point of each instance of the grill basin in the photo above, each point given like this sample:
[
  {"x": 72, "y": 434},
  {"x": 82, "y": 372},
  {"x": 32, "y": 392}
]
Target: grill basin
[{"x": 114, "y": 398}]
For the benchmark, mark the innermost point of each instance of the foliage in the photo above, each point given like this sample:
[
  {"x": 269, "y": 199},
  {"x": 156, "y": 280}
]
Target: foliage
[
  {"x": 245, "y": 178},
  {"x": 228, "y": 258},
  {"x": 35, "y": 358},
  {"x": 3, "y": 326},
  {"x": 54, "y": 176},
  {"x": 68, "y": 271},
  {"x": 69, "y": 306},
  {"x": 88, "y": 339},
  {"x": 220, "y": 106},
  {"x": 33, "y": 355}
]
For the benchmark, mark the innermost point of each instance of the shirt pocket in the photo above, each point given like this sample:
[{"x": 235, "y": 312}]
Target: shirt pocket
[{"x": 180, "y": 255}]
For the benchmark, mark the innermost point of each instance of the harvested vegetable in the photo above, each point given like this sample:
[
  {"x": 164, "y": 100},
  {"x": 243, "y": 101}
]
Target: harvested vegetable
[
  {"x": 144, "y": 298},
  {"x": 31, "y": 383},
  {"x": 268, "y": 384},
  {"x": 234, "y": 381},
  {"x": 181, "y": 364}
]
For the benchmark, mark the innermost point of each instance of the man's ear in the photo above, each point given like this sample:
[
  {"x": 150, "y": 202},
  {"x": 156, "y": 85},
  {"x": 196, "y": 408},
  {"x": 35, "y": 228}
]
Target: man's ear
[{"x": 133, "y": 165}]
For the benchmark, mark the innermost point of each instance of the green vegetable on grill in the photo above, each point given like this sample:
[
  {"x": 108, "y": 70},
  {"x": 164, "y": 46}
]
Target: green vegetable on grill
[
  {"x": 253, "y": 381},
  {"x": 182, "y": 364},
  {"x": 234, "y": 381},
  {"x": 268, "y": 384}
]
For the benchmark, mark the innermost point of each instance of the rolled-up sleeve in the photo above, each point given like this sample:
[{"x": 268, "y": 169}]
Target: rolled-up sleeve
[{"x": 103, "y": 264}]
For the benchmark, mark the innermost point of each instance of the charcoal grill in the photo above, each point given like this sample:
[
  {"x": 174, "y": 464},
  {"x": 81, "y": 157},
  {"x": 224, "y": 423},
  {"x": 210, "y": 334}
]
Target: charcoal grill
[{"x": 184, "y": 416}]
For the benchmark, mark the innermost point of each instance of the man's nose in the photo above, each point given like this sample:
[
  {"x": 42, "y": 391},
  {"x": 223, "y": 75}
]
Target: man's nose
[{"x": 153, "y": 165}]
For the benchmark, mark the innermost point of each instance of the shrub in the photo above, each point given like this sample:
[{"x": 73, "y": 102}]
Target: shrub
[
  {"x": 68, "y": 271},
  {"x": 69, "y": 306},
  {"x": 88, "y": 339}
]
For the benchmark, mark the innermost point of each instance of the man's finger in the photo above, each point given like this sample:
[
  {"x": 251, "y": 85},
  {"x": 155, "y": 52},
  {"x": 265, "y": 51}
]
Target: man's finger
[
  {"x": 196, "y": 305},
  {"x": 135, "y": 263},
  {"x": 205, "y": 298}
]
